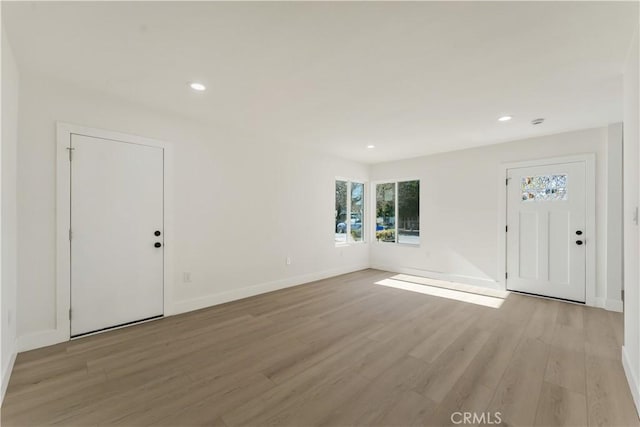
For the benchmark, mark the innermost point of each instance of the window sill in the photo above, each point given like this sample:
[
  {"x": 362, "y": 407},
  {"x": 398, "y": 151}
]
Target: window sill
[
  {"x": 342, "y": 245},
  {"x": 408, "y": 245}
]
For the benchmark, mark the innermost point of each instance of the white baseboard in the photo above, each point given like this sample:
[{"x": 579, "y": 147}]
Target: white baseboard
[
  {"x": 6, "y": 375},
  {"x": 249, "y": 291},
  {"x": 608, "y": 304},
  {"x": 41, "y": 339},
  {"x": 631, "y": 379},
  {"x": 468, "y": 280},
  {"x": 613, "y": 305}
]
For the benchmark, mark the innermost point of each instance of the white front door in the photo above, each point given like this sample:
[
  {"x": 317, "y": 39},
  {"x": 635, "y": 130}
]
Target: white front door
[
  {"x": 116, "y": 233},
  {"x": 546, "y": 230}
]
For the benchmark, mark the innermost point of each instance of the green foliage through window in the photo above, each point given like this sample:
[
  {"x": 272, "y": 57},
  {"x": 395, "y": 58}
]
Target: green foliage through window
[{"x": 401, "y": 199}]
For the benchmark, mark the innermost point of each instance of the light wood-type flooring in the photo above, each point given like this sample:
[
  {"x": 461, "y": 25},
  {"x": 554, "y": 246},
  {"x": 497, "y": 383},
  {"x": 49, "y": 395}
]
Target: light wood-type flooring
[{"x": 337, "y": 352}]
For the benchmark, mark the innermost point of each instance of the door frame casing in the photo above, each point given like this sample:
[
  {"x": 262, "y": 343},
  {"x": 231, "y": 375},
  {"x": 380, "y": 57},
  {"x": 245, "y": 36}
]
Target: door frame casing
[
  {"x": 64, "y": 131},
  {"x": 589, "y": 160}
]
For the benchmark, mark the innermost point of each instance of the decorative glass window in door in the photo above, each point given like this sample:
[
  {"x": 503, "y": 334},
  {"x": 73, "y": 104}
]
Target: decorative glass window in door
[{"x": 544, "y": 187}]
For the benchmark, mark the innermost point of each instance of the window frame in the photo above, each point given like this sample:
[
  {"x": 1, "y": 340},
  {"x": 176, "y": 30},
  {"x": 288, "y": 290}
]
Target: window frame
[
  {"x": 374, "y": 210},
  {"x": 364, "y": 233}
]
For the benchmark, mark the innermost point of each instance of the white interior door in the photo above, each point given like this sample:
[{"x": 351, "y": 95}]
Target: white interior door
[
  {"x": 116, "y": 233},
  {"x": 547, "y": 235}
]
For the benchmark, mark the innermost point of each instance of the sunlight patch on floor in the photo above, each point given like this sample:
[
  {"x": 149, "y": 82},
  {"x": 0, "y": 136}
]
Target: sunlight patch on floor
[
  {"x": 463, "y": 287},
  {"x": 468, "y": 297}
]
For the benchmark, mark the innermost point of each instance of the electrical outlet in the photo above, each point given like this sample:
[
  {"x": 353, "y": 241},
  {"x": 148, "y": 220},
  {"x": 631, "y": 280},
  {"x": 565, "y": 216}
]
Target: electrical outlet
[
  {"x": 186, "y": 277},
  {"x": 288, "y": 260}
]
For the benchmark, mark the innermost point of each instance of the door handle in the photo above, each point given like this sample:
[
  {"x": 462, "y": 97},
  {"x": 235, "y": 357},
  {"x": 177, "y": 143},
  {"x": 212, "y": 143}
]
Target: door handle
[
  {"x": 157, "y": 244},
  {"x": 579, "y": 242},
  {"x": 157, "y": 233}
]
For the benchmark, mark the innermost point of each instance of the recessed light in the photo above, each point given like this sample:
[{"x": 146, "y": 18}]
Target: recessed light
[
  {"x": 197, "y": 86},
  {"x": 371, "y": 146},
  {"x": 505, "y": 118},
  {"x": 537, "y": 121}
]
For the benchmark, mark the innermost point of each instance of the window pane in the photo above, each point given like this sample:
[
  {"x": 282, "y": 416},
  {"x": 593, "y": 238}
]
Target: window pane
[
  {"x": 357, "y": 211},
  {"x": 340, "y": 228},
  {"x": 544, "y": 187},
  {"x": 386, "y": 212},
  {"x": 409, "y": 212}
]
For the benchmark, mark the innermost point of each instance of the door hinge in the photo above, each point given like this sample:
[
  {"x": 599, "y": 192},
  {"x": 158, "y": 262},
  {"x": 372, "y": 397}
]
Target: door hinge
[
  {"x": 506, "y": 275},
  {"x": 622, "y": 294},
  {"x": 506, "y": 181},
  {"x": 70, "y": 234},
  {"x": 70, "y": 149},
  {"x": 506, "y": 228},
  {"x": 69, "y": 314}
]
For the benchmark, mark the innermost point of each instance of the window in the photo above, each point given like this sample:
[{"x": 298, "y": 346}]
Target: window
[
  {"x": 399, "y": 200},
  {"x": 386, "y": 212},
  {"x": 357, "y": 211},
  {"x": 349, "y": 213},
  {"x": 544, "y": 187},
  {"x": 341, "y": 212}
]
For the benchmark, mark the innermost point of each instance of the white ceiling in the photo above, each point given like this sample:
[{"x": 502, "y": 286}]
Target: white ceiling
[{"x": 410, "y": 78}]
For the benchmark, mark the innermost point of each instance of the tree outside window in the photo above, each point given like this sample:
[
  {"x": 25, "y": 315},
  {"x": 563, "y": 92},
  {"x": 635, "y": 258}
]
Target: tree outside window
[{"x": 398, "y": 212}]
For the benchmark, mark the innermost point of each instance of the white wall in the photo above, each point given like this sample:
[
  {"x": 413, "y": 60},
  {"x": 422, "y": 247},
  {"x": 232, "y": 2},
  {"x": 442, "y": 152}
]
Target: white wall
[
  {"x": 8, "y": 228},
  {"x": 631, "y": 349},
  {"x": 459, "y": 208},
  {"x": 241, "y": 206}
]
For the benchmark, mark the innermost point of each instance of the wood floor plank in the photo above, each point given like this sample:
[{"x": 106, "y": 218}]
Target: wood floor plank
[
  {"x": 616, "y": 321},
  {"x": 381, "y": 396},
  {"x": 451, "y": 365},
  {"x": 566, "y": 368},
  {"x": 331, "y": 347},
  {"x": 517, "y": 309},
  {"x": 609, "y": 400},
  {"x": 467, "y": 395},
  {"x": 341, "y": 351},
  {"x": 600, "y": 338},
  {"x": 542, "y": 323},
  {"x": 201, "y": 403},
  {"x": 410, "y": 409},
  {"x": 572, "y": 315},
  {"x": 569, "y": 338},
  {"x": 123, "y": 402},
  {"x": 488, "y": 367},
  {"x": 441, "y": 338},
  {"x": 285, "y": 397},
  {"x": 561, "y": 407},
  {"x": 314, "y": 406},
  {"x": 51, "y": 392},
  {"x": 517, "y": 394}
]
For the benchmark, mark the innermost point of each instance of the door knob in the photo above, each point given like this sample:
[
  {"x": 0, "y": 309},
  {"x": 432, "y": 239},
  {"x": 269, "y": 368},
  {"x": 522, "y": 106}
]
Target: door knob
[
  {"x": 157, "y": 233},
  {"x": 578, "y": 242},
  {"x": 158, "y": 244},
  {"x": 579, "y": 232}
]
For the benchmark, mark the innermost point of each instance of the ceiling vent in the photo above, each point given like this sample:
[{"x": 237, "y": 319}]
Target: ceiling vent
[{"x": 537, "y": 121}]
